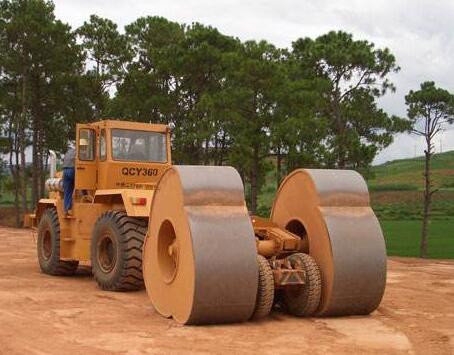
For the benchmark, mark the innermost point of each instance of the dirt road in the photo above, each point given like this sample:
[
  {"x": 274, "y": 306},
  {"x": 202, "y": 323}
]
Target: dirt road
[{"x": 43, "y": 314}]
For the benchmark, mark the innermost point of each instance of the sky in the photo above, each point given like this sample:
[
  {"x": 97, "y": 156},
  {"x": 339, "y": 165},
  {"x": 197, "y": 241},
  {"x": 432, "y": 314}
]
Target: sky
[{"x": 418, "y": 32}]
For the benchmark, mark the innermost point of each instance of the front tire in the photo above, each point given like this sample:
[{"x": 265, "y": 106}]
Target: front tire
[
  {"x": 303, "y": 301},
  {"x": 49, "y": 246},
  {"x": 265, "y": 290},
  {"x": 116, "y": 251}
]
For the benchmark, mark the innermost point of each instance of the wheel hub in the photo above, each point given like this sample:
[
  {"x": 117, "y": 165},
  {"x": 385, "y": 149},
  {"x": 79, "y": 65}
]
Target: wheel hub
[{"x": 106, "y": 253}]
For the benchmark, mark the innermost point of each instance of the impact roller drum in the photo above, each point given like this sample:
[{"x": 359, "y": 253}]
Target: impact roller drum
[
  {"x": 330, "y": 211},
  {"x": 199, "y": 258}
]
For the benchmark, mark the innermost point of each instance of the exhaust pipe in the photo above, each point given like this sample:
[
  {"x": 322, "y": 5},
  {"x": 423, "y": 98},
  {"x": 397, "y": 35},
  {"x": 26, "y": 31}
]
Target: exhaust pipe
[
  {"x": 53, "y": 183},
  {"x": 52, "y": 163}
]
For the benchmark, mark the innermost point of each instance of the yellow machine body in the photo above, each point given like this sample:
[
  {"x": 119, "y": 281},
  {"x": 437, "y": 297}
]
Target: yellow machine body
[{"x": 103, "y": 182}]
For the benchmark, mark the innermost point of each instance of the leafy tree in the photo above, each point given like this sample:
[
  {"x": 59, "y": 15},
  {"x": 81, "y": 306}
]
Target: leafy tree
[
  {"x": 254, "y": 80},
  {"x": 355, "y": 75},
  {"x": 429, "y": 109},
  {"x": 229, "y": 102},
  {"x": 297, "y": 130},
  {"x": 205, "y": 107},
  {"x": 52, "y": 72},
  {"x": 149, "y": 91},
  {"x": 178, "y": 77},
  {"x": 39, "y": 61},
  {"x": 18, "y": 38},
  {"x": 107, "y": 53}
]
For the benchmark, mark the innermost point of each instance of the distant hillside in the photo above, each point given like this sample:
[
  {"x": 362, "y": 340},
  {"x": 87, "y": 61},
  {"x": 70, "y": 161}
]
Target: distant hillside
[
  {"x": 400, "y": 179},
  {"x": 407, "y": 174}
]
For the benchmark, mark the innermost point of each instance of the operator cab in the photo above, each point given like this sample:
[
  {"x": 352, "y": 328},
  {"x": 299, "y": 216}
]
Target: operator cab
[{"x": 120, "y": 154}]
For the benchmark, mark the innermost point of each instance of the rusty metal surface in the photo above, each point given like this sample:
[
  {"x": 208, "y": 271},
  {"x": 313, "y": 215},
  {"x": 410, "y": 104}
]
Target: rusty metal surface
[
  {"x": 273, "y": 240},
  {"x": 216, "y": 270},
  {"x": 285, "y": 274},
  {"x": 343, "y": 234}
]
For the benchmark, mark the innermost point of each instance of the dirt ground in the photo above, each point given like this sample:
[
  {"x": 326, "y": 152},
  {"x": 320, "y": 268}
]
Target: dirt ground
[{"x": 43, "y": 314}]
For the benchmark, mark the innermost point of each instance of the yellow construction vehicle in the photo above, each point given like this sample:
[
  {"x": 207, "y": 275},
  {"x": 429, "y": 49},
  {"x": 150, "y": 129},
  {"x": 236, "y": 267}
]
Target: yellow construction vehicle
[{"x": 185, "y": 233}]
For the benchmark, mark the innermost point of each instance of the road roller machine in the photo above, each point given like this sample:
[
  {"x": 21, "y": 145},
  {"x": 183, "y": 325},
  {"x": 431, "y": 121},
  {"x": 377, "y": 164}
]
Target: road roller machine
[{"x": 185, "y": 234}]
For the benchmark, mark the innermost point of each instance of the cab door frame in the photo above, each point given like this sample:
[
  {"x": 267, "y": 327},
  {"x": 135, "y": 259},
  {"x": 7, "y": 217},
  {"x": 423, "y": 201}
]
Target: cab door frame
[{"x": 86, "y": 170}]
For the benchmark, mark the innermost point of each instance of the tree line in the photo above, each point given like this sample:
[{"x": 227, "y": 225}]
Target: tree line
[{"x": 248, "y": 104}]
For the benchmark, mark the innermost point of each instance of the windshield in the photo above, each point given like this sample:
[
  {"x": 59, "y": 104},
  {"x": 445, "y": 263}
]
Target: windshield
[{"x": 138, "y": 146}]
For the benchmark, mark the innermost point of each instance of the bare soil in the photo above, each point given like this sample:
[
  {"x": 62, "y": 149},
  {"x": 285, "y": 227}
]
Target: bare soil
[
  {"x": 8, "y": 216},
  {"x": 44, "y": 314}
]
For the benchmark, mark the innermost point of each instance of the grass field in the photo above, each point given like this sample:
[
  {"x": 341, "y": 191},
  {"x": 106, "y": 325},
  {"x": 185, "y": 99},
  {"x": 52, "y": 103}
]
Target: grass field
[
  {"x": 403, "y": 236},
  {"x": 407, "y": 174},
  {"x": 396, "y": 196}
]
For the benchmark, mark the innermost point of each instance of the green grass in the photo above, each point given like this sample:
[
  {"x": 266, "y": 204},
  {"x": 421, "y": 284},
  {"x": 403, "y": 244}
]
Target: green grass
[
  {"x": 407, "y": 174},
  {"x": 406, "y": 205},
  {"x": 7, "y": 197},
  {"x": 392, "y": 187},
  {"x": 403, "y": 238}
]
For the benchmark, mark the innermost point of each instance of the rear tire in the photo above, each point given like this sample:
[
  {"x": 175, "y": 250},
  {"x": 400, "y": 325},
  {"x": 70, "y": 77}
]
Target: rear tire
[
  {"x": 303, "y": 301},
  {"x": 265, "y": 291},
  {"x": 116, "y": 251},
  {"x": 49, "y": 246}
]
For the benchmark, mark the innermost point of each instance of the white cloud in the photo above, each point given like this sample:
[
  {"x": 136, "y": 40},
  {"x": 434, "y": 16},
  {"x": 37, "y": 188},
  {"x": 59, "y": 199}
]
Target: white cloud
[{"x": 418, "y": 32}]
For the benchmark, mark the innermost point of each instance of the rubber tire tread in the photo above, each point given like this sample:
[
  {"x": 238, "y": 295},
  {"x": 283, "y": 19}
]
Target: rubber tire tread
[
  {"x": 130, "y": 234},
  {"x": 53, "y": 266},
  {"x": 265, "y": 290},
  {"x": 307, "y": 299}
]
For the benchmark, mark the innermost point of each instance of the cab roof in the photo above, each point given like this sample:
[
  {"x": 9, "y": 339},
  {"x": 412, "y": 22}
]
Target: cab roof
[{"x": 112, "y": 123}]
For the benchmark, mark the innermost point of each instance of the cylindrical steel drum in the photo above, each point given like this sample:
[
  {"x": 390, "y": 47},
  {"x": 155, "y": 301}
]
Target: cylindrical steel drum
[
  {"x": 330, "y": 210},
  {"x": 199, "y": 258},
  {"x": 54, "y": 184}
]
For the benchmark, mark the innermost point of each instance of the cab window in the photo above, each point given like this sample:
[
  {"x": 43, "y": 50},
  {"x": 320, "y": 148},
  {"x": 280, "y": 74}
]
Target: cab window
[
  {"x": 86, "y": 144},
  {"x": 142, "y": 146},
  {"x": 102, "y": 145}
]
